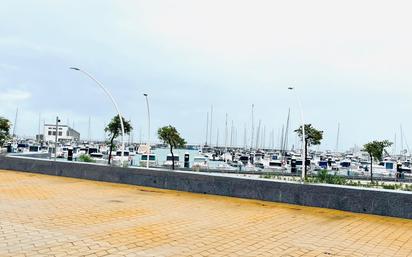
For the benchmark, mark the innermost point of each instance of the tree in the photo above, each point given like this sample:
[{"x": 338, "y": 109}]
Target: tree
[
  {"x": 171, "y": 137},
  {"x": 312, "y": 137},
  {"x": 4, "y": 130},
  {"x": 114, "y": 129},
  {"x": 375, "y": 151}
]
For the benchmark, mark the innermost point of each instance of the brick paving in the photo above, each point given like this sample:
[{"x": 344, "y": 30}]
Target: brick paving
[{"x": 54, "y": 216}]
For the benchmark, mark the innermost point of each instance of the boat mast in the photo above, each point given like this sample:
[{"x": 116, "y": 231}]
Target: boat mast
[
  {"x": 226, "y": 132},
  {"x": 140, "y": 135},
  {"x": 263, "y": 145},
  {"x": 394, "y": 146},
  {"x": 244, "y": 138},
  {"x": 211, "y": 123},
  {"x": 231, "y": 135},
  {"x": 273, "y": 139},
  {"x": 207, "y": 128},
  {"x": 39, "y": 126},
  {"x": 337, "y": 139},
  {"x": 285, "y": 141},
  {"x": 281, "y": 140},
  {"x": 258, "y": 135},
  {"x": 217, "y": 138},
  {"x": 253, "y": 127},
  {"x": 89, "y": 131},
  {"x": 402, "y": 148},
  {"x": 15, "y": 123}
]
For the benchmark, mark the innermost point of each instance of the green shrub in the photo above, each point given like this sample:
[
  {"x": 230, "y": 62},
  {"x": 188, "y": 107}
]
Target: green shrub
[
  {"x": 85, "y": 158},
  {"x": 324, "y": 177}
]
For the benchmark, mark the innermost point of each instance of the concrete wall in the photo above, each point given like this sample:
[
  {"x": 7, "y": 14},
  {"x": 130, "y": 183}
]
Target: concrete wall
[{"x": 380, "y": 202}]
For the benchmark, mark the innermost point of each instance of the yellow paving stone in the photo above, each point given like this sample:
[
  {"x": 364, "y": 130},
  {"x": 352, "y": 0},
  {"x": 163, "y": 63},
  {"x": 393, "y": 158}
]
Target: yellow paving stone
[{"x": 55, "y": 216}]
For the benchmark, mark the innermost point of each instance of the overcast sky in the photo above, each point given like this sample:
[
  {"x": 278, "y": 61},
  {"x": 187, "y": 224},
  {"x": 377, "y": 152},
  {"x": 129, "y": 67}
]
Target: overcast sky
[{"x": 350, "y": 61}]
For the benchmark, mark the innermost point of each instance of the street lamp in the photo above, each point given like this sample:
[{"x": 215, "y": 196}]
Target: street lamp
[
  {"x": 113, "y": 101},
  {"x": 148, "y": 130},
  {"x": 56, "y": 137},
  {"x": 303, "y": 134}
]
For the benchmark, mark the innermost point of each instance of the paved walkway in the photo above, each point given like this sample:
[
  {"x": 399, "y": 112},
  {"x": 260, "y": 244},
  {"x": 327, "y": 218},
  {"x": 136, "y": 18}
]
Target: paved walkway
[{"x": 54, "y": 216}]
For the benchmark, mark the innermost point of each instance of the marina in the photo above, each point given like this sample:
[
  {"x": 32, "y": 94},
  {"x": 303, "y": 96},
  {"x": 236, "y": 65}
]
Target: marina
[
  {"x": 205, "y": 128},
  {"x": 269, "y": 163}
]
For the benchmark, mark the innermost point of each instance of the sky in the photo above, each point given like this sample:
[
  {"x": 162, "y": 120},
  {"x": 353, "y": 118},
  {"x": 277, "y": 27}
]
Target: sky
[{"x": 350, "y": 62}]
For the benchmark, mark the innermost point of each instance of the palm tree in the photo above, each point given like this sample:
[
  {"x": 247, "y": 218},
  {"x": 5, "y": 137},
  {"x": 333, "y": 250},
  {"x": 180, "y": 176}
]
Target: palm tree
[
  {"x": 312, "y": 137},
  {"x": 4, "y": 130},
  {"x": 171, "y": 137},
  {"x": 375, "y": 151},
  {"x": 114, "y": 129}
]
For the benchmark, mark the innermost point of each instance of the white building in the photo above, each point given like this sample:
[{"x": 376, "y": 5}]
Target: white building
[{"x": 65, "y": 134}]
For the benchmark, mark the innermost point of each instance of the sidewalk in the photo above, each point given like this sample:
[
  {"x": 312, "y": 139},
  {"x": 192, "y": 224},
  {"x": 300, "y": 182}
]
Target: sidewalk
[{"x": 54, "y": 216}]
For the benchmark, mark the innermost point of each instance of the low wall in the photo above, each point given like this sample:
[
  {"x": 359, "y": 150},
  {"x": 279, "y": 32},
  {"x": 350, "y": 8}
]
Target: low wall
[{"x": 370, "y": 201}]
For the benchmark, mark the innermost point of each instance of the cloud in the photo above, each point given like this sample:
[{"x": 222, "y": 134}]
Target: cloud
[
  {"x": 14, "y": 96},
  {"x": 350, "y": 59}
]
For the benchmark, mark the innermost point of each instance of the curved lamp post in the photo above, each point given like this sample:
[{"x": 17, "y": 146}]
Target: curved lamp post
[
  {"x": 148, "y": 130},
  {"x": 113, "y": 101},
  {"x": 303, "y": 134}
]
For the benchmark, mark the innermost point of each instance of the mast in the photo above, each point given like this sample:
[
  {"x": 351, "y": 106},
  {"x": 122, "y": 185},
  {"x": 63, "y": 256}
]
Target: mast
[
  {"x": 281, "y": 139},
  {"x": 264, "y": 137},
  {"x": 394, "y": 146},
  {"x": 273, "y": 139},
  {"x": 258, "y": 135},
  {"x": 207, "y": 128},
  {"x": 231, "y": 135},
  {"x": 217, "y": 138},
  {"x": 39, "y": 126},
  {"x": 211, "y": 123},
  {"x": 226, "y": 133},
  {"x": 402, "y": 147},
  {"x": 88, "y": 132},
  {"x": 253, "y": 127},
  {"x": 286, "y": 136},
  {"x": 244, "y": 137},
  {"x": 234, "y": 136},
  {"x": 337, "y": 139},
  {"x": 15, "y": 123}
]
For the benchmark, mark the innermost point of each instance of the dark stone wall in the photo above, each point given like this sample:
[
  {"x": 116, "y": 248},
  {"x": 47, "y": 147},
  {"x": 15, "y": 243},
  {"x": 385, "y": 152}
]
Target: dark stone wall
[{"x": 379, "y": 202}]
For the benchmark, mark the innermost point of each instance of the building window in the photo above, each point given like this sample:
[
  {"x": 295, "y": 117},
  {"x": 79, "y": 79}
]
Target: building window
[
  {"x": 60, "y": 133},
  {"x": 54, "y": 133},
  {"x": 50, "y": 133}
]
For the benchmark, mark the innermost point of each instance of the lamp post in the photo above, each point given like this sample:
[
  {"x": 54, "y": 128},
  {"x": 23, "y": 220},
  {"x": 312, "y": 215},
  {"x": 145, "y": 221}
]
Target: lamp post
[
  {"x": 56, "y": 138},
  {"x": 148, "y": 130},
  {"x": 303, "y": 176},
  {"x": 112, "y": 100}
]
